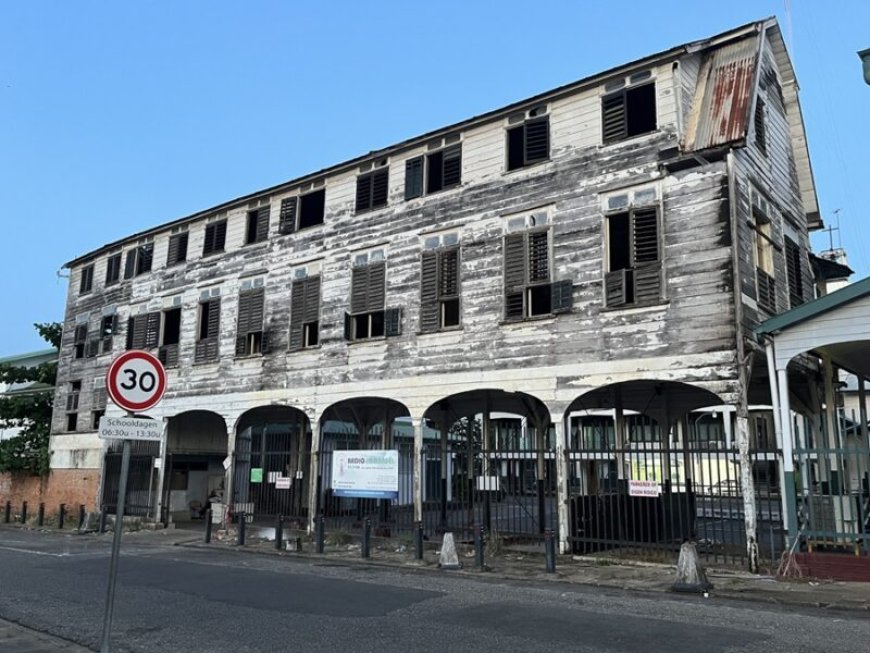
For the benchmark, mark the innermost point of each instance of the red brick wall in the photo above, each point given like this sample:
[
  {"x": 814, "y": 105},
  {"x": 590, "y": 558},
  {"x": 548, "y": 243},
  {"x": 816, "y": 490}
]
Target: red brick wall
[
  {"x": 69, "y": 486},
  {"x": 834, "y": 566}
]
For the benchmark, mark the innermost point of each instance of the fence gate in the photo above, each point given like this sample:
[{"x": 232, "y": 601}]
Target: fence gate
[
  {"x": 645, "y": 497},
  {"x": 142, "y": 478}
]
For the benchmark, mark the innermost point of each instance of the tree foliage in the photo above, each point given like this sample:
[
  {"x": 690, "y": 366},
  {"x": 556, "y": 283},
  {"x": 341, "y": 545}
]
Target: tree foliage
[{"x": 29, "y": 410}]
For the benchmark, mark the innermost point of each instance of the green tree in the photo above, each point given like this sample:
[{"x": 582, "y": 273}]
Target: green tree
[{"x": 30, "y": 411}]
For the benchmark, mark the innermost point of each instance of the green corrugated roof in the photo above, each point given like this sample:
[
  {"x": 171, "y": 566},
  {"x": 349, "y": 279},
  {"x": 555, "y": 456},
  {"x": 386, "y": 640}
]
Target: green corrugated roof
[
  {"x": 816, "y": 307},
  {"x": 19, "y": 359}
]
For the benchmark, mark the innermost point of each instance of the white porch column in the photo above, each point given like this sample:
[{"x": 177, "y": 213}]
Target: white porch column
[
  {"x": 313, "y": 475},
  {"x": 161, "y": 471},
  {"x": 789, "y": 501},
  {"x": 563, "y": 491}
]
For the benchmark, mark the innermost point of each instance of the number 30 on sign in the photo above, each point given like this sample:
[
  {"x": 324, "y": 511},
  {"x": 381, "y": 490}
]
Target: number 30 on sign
[{"x": 136, "y": 381}]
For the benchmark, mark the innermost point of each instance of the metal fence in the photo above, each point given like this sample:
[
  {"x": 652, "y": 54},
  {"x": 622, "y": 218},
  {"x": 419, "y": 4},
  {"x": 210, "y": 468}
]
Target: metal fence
[{"x": 142, "y": 480}]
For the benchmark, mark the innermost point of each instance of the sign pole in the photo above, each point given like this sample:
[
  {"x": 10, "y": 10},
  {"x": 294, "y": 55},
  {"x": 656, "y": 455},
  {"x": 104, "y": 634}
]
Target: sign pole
[{"x": 116, "y": 547}]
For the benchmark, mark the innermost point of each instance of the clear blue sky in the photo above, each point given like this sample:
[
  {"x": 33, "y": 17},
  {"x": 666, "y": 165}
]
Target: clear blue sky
[{"x": 116, "y": 117}]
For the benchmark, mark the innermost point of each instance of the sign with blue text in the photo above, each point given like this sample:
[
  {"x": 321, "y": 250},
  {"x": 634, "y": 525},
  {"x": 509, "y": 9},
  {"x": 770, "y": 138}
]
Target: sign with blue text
[{"x": 366, "y": 473}]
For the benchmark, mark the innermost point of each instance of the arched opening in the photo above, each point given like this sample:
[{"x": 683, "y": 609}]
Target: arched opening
[
  {"x": 489, "y": 459},
  {"x": 365, "y": 424},
  {"x": 193, "y": 473},
  {"x": 272, "y": 462}
]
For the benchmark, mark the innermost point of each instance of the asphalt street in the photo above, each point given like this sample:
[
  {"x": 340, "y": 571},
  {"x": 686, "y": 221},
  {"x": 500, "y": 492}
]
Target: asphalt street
[{"x": 175, "y": 598}]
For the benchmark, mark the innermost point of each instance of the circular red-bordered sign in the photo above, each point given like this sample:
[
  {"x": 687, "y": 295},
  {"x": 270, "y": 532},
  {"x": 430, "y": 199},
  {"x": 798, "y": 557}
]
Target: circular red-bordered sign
[{"x": 136, "y": 381}]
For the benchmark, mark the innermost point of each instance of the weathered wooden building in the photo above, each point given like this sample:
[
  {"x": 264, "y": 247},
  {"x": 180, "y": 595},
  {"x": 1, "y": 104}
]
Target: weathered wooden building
[{"x": 588, "y": 264}]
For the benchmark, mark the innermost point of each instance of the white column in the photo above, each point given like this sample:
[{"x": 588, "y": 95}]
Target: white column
[
  {"x": 563, "y": 491},
  {"x": 418, "y": 472},
  {"x": 313, "y": 475}
]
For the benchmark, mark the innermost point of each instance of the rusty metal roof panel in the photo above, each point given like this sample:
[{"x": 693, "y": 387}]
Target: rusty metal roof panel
[{"x": 723, "y": 97}]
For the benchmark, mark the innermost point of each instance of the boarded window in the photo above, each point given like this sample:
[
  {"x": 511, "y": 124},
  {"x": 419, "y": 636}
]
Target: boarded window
[
  {"x": 528, "y": 143},
  {"x": 439, "y": 289},
  {"x": 367, "y": 317},
  {"x": 113, "y": 269},
  {"x": 634, "y": 263},
  {"x": 207, "y": 333},
  {"x": 86, "y": 284},
  {"x": 628, "y": 112},
  {"x": 249, "y": 326},
  {"x": 215, "y": 237},
  {"x": 529, "y": 290},
  {"x": 177, "y": 252},
  {"x": 139, "y": 260},
  {"x": 305, "y": 313},
  {"x": 257, "y": 225},
  {"x": 371, "y": 190},
  {"x": 793, "y": 258}
]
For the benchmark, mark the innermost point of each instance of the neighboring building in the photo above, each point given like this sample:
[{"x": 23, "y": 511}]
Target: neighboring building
[
  {"x": 31, "y": 359},
  {"x": 591, "y": 260}
]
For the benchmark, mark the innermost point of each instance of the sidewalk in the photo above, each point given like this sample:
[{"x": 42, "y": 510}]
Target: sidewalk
[
  {"x": 18, "y": 639},
  {"x": 597, "y": 572}
]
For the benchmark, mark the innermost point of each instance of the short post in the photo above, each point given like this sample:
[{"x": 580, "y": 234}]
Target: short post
[
  {"x": 478, "y": 546},
  {"x": 61, "y": 513},
  {"x": 321, "y": 533},
  {"x": 81, "y": 516},
  {"x": 103, "y": 516},
  {"x": 367, "y": 536},
  {"x": 550, "y": 550},
  {"x": 418, "y": 540},
  {"x": 8, "y": 514},
  {"x": 279, "y": 532},
  {"x": 208, "y": 526},
  {"x": 23, "y": 512},
  {"x": 40, "y": 514},
  {"x": 242, "y": 523}
]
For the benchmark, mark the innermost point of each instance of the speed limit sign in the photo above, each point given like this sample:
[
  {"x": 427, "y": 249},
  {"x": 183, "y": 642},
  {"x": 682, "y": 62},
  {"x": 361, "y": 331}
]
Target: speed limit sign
[{"x": 136, "y": 381}]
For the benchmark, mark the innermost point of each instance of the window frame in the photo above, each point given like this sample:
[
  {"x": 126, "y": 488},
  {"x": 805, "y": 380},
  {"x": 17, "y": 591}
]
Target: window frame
[
  {"x": 435, "y": 295},
  {"x": 421, "y": 167},
  {"x": 533, "y": 117},
  {"x": 250, "y": 321},
  {"x": 257, "y": 224},
  {"x": 207, "y": 347},
  {"x": 371, "y": 178},
  {"x": 305, "y": 301},
  {"x": 176, "y": 251},
  {"x": 86, "y": 280},
  {"x": 621, "y": 89},
  {"x": 140, "y": 260},
  {"x": 214, "y": 237},
  {"x": 113, "y": 269}
]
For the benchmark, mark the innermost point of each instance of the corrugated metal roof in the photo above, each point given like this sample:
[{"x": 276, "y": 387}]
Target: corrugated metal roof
[{"x": 720, "y": 113}]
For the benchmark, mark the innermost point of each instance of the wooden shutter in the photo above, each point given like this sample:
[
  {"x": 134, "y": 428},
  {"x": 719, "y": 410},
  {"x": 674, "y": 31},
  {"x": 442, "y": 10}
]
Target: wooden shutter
[
  {"x": 93, "y": 346},
  {"x": 297, "y": 313},
  {"x": 562, "y": 296},
  {"x": 214, "y": 317},
  {"x": 392, "y": 322},
  {"x": 429, "y": 292},
  {"x": 130, "y": 264},
  {"x": 363, "y": 192},
  {"x": 137, "y": 328},
  {"x": 347, "y": 326},
  {"x": 648, "y": 282},
  {"x": 131, "y": 324},
  {"x": 514, "y": 305},
  {"x": 539, "y": 256},
  {"x": 243, "y": 318},
  {"x": 537, "y": 143},
  {"x": 452, "y": 166},
  {"x": 760, "y": 126},
  {"x": 359, "y": 286},
  {"x": 615, "y": 285},
  {"x": 793, "y": 271},
  {"x": 152, "y": 330},
  {"x": 256, "y": 310},
  {"x": 514, "y": 260},
  {"x": 219, "y": 236},
  {"x": 645, "y": 239},
  {"x": 263, "y": 222},
  {"x": 448, "y": 273},
  {"x": 613, "y": 117},
  {"x": 287, "y": 217},
  {"x": 376, "y": 294},
  {"x": 177, "y": 249},
  {"x": 413, "y": 177},
  {"x": 380, "y": 181},
  {"x": 312, "y": 299}
]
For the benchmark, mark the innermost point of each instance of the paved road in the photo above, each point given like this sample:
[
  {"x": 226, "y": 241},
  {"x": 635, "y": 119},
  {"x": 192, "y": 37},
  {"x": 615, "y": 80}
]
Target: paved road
[{"x": 174, "y": 598}]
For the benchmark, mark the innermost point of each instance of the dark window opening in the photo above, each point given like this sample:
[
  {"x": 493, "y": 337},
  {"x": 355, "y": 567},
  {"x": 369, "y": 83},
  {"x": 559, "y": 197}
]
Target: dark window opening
[
  {"x": 171, "y": 326},
  {"x": 628, "y": 112},
  {"x": 80, "y": 337},
  {"x": 72, "y": 420},
  {"x": 177, "y": 252},
  {"x": 108, "y": 328},
  {"x": 793, "y": 269},
  {"x": 215, "y": 237},
  {"x": 113, "y": 269},
  {"x": 311, "y": 331},
  {"x": 95, "y": 418},
  {"x": 443, "y": 170},
  {"x": 540, "y": 300},
  {"x": 258, "y": 225},
  {"x": 633, "y": 262},
  {"x": 139, "y": 260},
  {"x": 528, "y": 143},
  {"x": 450, "y": 313},
  {"x": 311, "y": 209},
  {"x": 371, "y": 190},
  {"x": 368, "y": 325},
  {"x": 87, "y": 280}
]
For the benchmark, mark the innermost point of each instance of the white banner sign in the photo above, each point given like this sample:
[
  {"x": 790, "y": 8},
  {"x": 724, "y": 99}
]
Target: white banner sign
[
  {"x": 367, "y": 473},
  {"x": 644, "y": 489},
  {"x": 130, "y": 428}
]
